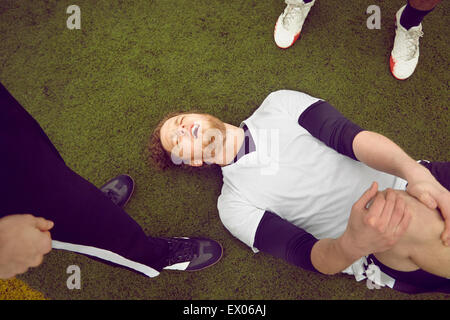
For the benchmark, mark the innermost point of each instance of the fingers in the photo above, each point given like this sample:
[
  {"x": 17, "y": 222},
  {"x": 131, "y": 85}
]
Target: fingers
[
  {"x": 397, "y": 215},
  {"x": 389, "y": 216},
  {"x": 438, "y": 198},
  {"x": 46, "y": 243},
  {"x": 400, "y": 219},
  {"x": 444, "y": 206},
  {"x": 404, "y": 223},
  {"x": 427, "y": 200},
  {"x": 445, "y": 237},
  {"x": 367, "y": 196},
  {"x": 43, "y": 246},
  {"x": 43, "y": 224},
  {"x": 376, "y": 211},
  {"x": 388, "y": 211}
]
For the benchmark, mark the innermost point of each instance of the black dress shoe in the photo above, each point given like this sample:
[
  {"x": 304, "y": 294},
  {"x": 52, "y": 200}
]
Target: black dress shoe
[
  {"x": 119, "y": 189},
  {"x": 192, "y": 254}
]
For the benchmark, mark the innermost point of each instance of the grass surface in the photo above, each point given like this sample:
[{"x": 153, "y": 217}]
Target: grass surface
[{"x": 98, "y": 92}]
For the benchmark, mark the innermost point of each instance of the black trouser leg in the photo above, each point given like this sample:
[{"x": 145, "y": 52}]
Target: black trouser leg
[{"x": 34, "y": 179}]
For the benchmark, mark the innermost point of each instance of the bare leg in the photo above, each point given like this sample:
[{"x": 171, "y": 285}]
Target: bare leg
[{"x": 421, "y": 246}]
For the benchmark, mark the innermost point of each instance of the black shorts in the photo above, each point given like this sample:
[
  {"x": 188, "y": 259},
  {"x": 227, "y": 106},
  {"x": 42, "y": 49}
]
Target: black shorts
[{"x": 418, "y": 281}]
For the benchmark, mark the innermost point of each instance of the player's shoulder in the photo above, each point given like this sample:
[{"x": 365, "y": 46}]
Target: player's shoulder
[
  {"x": 287, "y": 97},
  {"x": 276, "y": 99},
  {"x": 282, "y": 94},
  {"x": 287, "y": 102}
]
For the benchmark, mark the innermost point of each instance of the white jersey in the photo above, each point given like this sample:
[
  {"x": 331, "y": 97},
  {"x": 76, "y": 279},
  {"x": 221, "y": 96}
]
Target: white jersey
[{"x": 292, "y": 174}]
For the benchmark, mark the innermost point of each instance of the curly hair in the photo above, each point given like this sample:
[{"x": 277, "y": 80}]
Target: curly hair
[{"x": 159, "y": 157}]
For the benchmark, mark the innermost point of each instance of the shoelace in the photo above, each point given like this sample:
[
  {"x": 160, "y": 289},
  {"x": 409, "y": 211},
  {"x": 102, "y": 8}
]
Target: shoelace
[
  {"x": 112, "y": 195},
  {"x": 293, "y": 12},
  {"x": 412, "y": 43},
  {"x": 180, "y": 251}
]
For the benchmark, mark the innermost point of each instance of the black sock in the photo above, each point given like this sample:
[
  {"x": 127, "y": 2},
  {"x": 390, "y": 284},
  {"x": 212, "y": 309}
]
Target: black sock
[{"x": 412, "y": 17}]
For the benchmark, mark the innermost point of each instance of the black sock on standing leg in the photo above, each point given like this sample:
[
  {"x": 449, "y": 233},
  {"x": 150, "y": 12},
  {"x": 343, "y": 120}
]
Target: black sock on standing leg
[{"x": 411, "y": 17}]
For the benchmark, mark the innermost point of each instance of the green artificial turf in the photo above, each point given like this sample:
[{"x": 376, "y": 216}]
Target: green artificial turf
[{"x": 99, "y": 91}]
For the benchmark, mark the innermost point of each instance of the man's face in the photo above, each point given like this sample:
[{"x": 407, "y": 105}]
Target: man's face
[{"x": 193, "y": 138}]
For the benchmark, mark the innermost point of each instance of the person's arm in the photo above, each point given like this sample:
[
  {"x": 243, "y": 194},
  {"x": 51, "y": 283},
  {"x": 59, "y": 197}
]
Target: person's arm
[
  {"x": 379, "y": 152},
  {"x": 328, "y": 125},
  {"x": 382, "y": 154},
  {"x": 282, "y": 239},
  {"x": 369, "y": 230},
  {"x": 376, "y": 223},
  {"x": 24, "y": 240}
]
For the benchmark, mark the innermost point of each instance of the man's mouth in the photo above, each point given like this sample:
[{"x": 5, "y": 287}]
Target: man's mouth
[{"x": 194, "y": 130}]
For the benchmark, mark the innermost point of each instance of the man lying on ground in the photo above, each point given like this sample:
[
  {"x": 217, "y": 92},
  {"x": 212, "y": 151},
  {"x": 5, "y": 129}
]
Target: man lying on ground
[{"x": 293, "y": 176}]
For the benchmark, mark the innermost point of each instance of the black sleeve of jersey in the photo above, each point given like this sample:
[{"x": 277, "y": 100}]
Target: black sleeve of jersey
[
  {"x": 328, "y": 125},
  {"x": 284, "y": 240}
]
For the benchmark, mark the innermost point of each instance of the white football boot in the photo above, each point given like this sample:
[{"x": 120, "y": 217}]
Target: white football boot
[
  {"x": 405, "y": 54},
  {"x": 290, "y": 22}
]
